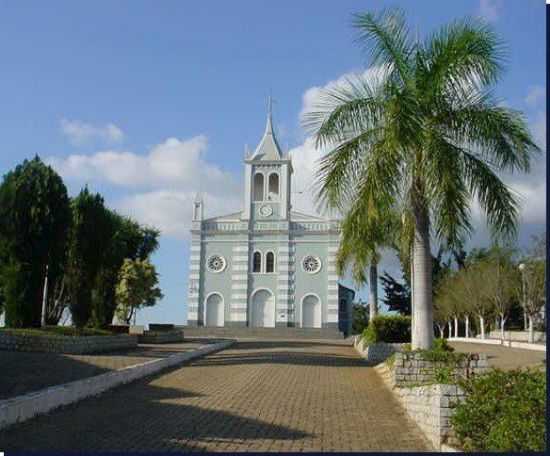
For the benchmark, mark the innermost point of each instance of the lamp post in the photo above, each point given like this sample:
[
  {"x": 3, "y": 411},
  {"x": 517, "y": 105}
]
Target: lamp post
[{"x": 521, "y": 267}]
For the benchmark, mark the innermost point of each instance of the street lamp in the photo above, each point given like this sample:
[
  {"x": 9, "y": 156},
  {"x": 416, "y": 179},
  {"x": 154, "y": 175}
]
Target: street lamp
[{"x": 521, "y": 267}]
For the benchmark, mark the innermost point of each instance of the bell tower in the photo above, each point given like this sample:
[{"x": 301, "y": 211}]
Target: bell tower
[{"x": 267, "y": 178}]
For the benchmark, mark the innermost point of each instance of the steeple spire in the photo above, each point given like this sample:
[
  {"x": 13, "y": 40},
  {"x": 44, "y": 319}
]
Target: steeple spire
[
  {"x": 269, "y": 124},
  {"x": 268, "y": 149}
]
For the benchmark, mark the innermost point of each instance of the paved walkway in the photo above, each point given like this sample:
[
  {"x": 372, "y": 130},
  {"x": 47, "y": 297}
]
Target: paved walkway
[
  {"x": 503, "y": 357},
  {"x": 255, "y": 396},
  {"x": 24, "y": 372}
]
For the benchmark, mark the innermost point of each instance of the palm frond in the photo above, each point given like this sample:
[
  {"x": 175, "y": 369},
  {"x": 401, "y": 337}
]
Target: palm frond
[{"x": 386, "y": 38}]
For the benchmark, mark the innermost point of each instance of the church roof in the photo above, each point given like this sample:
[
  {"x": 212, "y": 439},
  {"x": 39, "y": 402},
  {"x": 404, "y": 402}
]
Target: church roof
[{"x": 268, "y": 149}]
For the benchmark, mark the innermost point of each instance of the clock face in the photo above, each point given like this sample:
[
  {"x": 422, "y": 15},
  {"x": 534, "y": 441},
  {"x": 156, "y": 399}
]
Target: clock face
[{"x": 266, "y": 211}]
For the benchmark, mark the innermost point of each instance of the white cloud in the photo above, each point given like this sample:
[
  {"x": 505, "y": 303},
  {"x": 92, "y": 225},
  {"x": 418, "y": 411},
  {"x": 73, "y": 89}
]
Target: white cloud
[
  {"x": 174, "y": 163},
  {"x": 535, "y": 95},
  {"x": 490, "y": 9},
  {"x": 171, "y": 210},
  {"x": 161, "y": 184},
  {"x": 80, "y": 133}
]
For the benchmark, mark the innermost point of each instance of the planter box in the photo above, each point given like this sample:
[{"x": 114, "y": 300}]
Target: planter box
[
  {"x": 376, "y": 353},
  {"x": 160, "y": 327},
  {"x": 160, "y": 337},
  {"x": 76, "y": 345}
]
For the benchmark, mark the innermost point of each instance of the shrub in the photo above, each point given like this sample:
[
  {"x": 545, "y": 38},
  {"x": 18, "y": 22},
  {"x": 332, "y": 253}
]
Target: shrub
[
  {"x": 441, "y": 344},
  {"x": 503, "y": 411},
  {"x": 388, "y": 328}
]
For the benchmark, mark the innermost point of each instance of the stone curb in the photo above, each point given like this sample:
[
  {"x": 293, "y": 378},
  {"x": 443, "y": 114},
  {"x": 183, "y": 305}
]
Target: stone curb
[
  {"x": 506, "y": 343},
  {"x": 21, "y": 408}
]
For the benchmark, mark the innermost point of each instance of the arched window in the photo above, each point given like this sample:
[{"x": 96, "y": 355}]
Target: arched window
[
  {"x": 257, "y": 262},
  {"x": 258, "y": 187},
  {"x": 273, "y": 187},
  {"x": 270, "y": 262}
]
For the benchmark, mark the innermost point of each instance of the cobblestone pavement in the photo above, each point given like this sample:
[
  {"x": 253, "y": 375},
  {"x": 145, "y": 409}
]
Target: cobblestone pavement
[
  {"x": 23, "y": 372},
  {"x": 503, "y": 357},
  {"x": 254, "y": 396}
]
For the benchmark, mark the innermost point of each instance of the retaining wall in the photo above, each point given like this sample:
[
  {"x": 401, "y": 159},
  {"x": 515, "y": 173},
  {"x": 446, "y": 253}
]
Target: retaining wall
[
  {"x": 412, "y": 368},
  {"x": 76, "y": 345},
  {"x": 24, "y": 407},
  {"x": 430, "y": 406}
]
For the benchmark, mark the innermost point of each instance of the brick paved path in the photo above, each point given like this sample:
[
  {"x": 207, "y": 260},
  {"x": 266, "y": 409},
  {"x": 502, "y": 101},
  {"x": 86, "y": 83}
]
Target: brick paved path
[
  {"x": 255, "y": 396},
  {"x": 23, "y": 372}
]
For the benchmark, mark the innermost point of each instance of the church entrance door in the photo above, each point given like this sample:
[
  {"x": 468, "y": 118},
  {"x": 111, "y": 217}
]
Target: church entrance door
[
  {"x": 214, "y": 310},
  {"x": 263, "y": 309},
  {"x": 311, "y": 312}
]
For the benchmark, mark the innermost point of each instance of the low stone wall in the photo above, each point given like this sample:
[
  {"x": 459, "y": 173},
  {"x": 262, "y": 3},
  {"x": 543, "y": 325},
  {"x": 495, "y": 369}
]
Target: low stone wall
[
  {"x": 65, "y": 344},
  {"x": 411, "y": 368},
  {"x": 518, "y": 336},
  {"x": 430, "y": 406},
  {"x": 539, "y": 346},
  {"x": 160, "y": 337},
  {"x": 375, "y": 353},
  {"x": 24, "y": 407}
]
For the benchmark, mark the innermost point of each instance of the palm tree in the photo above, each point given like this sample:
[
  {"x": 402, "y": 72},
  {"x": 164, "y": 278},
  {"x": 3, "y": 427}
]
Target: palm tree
[
  {"x": 364, "y": 232},
  {"x": 423, "y": 133}
]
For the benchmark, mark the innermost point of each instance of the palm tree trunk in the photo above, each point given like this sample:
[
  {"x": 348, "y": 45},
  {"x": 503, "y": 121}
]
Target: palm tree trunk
[
  {"x": 373, "y": 291},
  {"x": 531, "y": 332},
  {"x": 423, "y": 332},
  {"x": 467, "y": 328}
]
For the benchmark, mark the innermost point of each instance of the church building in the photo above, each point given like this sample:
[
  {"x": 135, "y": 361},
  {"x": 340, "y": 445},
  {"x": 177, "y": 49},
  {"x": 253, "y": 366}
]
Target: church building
[{"x": 267, "y": 265}]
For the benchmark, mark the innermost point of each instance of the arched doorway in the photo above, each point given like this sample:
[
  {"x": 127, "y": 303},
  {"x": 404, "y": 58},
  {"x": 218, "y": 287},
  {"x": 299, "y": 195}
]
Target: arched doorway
[
  {"x": 263, "y": 309},
  {"x": 214, "y": 310},
  {"x": 311, "y": 311}
]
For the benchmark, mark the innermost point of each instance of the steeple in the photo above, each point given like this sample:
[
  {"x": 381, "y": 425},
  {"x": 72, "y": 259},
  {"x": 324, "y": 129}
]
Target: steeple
[{"x": 268, "y": 149}]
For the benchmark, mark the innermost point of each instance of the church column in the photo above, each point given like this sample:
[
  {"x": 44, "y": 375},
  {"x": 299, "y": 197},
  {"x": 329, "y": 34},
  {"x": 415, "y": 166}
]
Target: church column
[
  {"x": 331, "y": 318},
  {"x": 239, "y": 284},
  {"x": 194, "y": 315},
  {"x": 285, "y": 285}
]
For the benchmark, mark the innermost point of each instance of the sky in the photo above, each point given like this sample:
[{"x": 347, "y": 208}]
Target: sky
[{"x": 149, "y": 102}]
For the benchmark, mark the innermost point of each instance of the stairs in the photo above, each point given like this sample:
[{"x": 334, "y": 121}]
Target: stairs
[{"x": 263, "y": 333}]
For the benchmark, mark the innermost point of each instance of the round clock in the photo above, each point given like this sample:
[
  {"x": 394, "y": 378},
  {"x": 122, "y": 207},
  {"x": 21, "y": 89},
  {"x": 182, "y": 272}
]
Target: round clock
[{"x": 266, "y": 211}]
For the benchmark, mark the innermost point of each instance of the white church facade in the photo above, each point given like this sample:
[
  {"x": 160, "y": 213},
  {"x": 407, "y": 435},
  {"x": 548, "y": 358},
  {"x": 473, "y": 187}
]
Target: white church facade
[{"x": 267, "y": 265}]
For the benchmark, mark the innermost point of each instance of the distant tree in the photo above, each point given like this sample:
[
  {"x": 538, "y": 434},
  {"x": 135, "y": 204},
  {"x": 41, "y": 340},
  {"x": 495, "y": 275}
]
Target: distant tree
[
  {"x": 129, "y": 240},
  {"x": 34, "y": 222},
  {"x": 360, "y": 317},
  {"x": 91, "y": 235},
  {"x": 136, "y": 288},
  {"x": 533, "y": 290},
  {"x": 501, "y": 280},
  {"x": 397, "y": 295}
]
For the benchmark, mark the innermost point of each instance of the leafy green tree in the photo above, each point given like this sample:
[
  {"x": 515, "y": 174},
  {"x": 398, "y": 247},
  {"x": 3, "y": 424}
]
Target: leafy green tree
[
  {"x": 397, "y": 295},
  {"x": 137, "y": 288},
  {"x": 34, "y": 223},
  {"x": 91, "y": 235},
  {"x": 424, "y": 135},
  {"x": 129, "y": 240},
  {"x": 360, "y": 317},
  {"x": 533, "y": 291}
]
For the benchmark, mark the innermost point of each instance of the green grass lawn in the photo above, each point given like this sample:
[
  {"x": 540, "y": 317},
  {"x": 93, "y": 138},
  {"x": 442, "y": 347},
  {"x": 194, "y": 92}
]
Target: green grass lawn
[{"x": 69, "y": 331}]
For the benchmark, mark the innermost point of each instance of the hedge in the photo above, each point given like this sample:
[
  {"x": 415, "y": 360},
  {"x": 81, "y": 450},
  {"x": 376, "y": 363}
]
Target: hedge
[
  {"x": 388, "y": 328},
  {"x": 503, "y": 411}
]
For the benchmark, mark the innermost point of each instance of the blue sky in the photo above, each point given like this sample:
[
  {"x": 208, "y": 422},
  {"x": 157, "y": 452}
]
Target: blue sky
[{"x": 149, "y": 102}]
